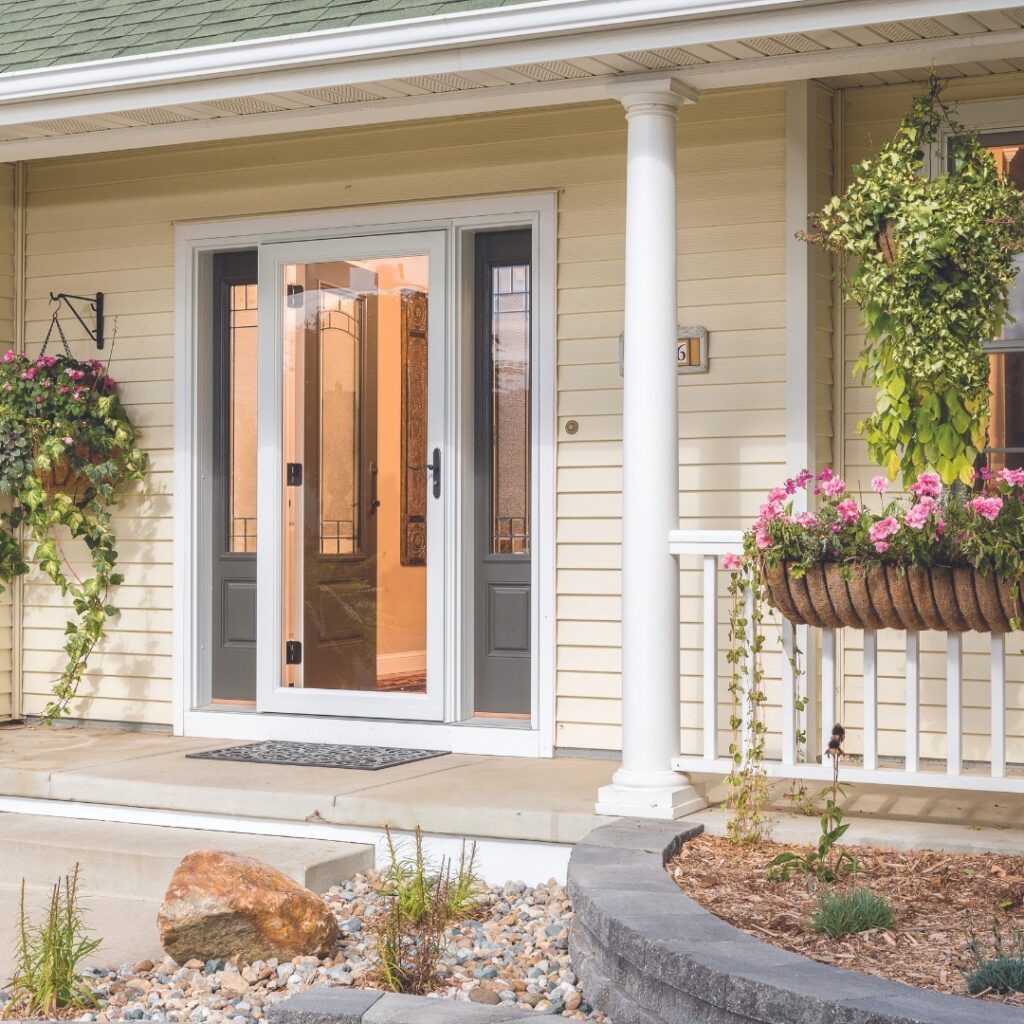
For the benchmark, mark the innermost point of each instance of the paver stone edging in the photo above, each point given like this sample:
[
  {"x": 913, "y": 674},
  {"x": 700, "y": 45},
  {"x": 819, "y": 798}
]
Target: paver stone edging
[
  {"x": 647, "y": 954},
  {"x": 322, "y": 1005}
]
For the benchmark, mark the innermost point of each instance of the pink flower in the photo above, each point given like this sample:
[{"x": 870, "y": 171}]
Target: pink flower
[
  {"x": 64, "y": 390},
  {"x": 730, "y": 562},
  {"x": 881, "y": 530},
  {"x": 927, "y": 485},
  {"x": 879, "y": 484},
  {"x": 799, "y": 482},
  {"x": 881, "y": 546},
  {"x": 777, "y": 494},
  {"x": 806, "y": 520},
  {"x": 68, "y": 440},
  {"x": 833, "y": 486},
  {"x": 9, "y": 356},
  {"x": 917, "y": 516},
  {"x": 826, "y": 474},
  {"x": 761, "y": 538},
  {"x": 848, "y": 510},
  {"x": 769, "y": 511},
  {"x": 987, "y": 508},
  {"x": 985, "y": 473},
  {"x": 29, "y": 374},
  {"x": 1013, "y": 477}
]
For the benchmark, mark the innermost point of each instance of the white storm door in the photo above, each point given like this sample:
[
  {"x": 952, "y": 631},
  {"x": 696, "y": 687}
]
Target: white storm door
[{"x": 352, "y": 476}]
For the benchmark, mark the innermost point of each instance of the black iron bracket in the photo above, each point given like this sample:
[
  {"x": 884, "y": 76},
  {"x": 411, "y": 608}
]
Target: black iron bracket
[{"x": 95, "y": 306}]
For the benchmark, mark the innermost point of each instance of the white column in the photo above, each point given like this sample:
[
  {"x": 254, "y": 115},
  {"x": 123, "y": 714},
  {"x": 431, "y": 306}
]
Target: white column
[{"x": 645, "y": 785}]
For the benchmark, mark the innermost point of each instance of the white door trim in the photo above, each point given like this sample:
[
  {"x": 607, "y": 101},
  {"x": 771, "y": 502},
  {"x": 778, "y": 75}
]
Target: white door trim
[{"x": 195, "y": 242}]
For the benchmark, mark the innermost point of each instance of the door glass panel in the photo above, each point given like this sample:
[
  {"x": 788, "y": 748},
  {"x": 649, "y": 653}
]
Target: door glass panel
[
  {"x": 1006, "y": 368},
  {"x": 510, "y": 409},
  {"x": 355, "y": 405},
  {"x": 242, "y": 428}
]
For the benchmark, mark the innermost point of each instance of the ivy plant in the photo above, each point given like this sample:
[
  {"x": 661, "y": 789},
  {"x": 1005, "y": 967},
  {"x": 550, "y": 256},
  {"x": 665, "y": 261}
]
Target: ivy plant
[
  {"x": 931, "y": 261},
  {"x": 66, "y": 448}
]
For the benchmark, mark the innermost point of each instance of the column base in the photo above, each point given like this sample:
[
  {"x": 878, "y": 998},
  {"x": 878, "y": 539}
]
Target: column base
[{"x": 665, "y": 796}]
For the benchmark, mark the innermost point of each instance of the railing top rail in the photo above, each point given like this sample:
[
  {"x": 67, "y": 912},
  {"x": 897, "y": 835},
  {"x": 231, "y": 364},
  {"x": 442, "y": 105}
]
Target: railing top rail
[{"x": 705, "y": 542}]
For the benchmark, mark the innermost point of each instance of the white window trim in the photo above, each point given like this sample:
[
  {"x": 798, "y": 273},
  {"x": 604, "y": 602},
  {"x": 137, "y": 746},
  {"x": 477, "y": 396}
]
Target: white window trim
[{"x": 461, "y": 219}]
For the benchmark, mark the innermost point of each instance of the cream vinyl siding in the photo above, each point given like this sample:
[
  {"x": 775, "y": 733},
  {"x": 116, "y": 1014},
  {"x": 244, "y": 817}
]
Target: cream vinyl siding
[
  {"x": 7, "y": 339},
  {"x": 871, "y": 116},
  {"x": 107, "y": 222}
]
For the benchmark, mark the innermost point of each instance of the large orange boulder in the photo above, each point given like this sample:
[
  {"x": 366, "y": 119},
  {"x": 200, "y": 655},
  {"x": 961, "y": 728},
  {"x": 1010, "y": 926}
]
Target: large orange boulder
[{"x": 221, "y": 905}]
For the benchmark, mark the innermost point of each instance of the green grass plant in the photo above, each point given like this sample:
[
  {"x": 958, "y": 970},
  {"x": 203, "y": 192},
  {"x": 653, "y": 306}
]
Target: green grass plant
[
  {"x": 47, "y": 979},
  {"x": 850, "y": 911}
]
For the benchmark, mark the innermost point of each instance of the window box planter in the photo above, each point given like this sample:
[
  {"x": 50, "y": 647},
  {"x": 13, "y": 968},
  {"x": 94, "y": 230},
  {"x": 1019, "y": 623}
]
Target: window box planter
[{"x": 882, "y": 595}]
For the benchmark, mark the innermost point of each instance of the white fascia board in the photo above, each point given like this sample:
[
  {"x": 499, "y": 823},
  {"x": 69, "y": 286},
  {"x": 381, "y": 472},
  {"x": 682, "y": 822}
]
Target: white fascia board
[{"x": 543, "y": 31}]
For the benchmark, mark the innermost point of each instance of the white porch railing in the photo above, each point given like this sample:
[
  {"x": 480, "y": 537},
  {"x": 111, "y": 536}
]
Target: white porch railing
[{"x": 704, "y": 549}]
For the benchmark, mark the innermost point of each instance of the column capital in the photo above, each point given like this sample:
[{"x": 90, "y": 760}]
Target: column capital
[{"x": 644, "y": 91}]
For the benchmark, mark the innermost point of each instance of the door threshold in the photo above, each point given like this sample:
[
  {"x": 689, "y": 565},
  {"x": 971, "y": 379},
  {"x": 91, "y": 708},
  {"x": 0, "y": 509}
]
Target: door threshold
[{"x": 501, "y": 737}]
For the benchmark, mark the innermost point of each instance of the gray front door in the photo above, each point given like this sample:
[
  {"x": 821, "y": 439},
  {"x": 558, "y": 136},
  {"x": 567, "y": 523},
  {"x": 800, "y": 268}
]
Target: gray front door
[
  {"x": 233, "y": 533},
  {"x": 502, "y": 473}
]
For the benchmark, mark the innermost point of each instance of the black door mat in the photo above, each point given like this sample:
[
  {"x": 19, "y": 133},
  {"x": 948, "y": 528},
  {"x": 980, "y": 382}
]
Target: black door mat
[{"x": 318, "y": 755}]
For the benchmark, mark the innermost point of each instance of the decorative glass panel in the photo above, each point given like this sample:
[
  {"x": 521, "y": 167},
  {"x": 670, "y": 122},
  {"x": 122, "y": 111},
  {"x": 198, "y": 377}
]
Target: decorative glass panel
[
  {"x": 510, "y": 410},
  {"x": 340, "y": 327},
  {"x": 242, "y": 425},
  {"x": 1006, "y": 376}
]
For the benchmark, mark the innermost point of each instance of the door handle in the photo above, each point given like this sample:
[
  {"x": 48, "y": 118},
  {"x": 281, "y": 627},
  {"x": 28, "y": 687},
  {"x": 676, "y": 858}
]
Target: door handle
[
  {"x": 374, "y": 500},
  {"x": 435, "y": 470}
]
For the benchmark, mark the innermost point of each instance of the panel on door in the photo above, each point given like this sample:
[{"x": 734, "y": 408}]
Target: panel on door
[
  {"x": 233, "y": 532},
  {"x": 355, "y": 514},
  {"x": 502, "y": 356}
]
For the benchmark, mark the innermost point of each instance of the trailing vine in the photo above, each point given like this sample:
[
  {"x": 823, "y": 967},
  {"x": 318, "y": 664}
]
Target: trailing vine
[
  {"x": 66, "y": 447},
  {"x": 933, "y": 260}
]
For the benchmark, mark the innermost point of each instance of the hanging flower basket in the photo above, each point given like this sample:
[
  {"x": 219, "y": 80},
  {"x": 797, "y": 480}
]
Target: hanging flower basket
[
  {"x": 68, "y": 475},
  {"x": 944, "y": 559},
  {"x": 879, "y": 595}
]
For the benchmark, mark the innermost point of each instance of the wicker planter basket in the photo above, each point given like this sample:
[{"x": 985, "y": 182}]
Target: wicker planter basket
[
  {"x": 64, "y": 479},
  {"x": 882, "y": 596}
]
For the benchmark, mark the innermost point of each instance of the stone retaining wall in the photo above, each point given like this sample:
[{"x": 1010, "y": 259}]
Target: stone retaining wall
[{"x": 647, "y": 954}]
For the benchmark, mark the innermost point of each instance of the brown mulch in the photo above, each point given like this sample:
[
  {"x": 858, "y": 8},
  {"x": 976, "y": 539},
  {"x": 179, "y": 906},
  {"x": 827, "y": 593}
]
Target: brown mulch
[{"x": 941, "y": 899}]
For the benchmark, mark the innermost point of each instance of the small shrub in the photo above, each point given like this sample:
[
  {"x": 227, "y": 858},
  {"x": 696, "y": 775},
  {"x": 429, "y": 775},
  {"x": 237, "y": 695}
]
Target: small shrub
[
  {"x": 48, "y": 956},
  {"x": 999, "y": 970},
  {"x": 827, "y": 861},
  {"x": 849, "y": 911},
  {"x": 420, "y": 902}
]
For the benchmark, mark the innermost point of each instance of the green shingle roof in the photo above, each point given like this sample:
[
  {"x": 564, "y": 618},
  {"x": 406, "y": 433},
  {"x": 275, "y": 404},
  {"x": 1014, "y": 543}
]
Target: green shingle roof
[{"x": 46, "y": 33}]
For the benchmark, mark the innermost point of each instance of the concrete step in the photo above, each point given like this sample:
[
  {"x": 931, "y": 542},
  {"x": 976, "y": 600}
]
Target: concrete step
[
  {"x": 124, "y": 871},
  {"x": 138, "y": 860}
]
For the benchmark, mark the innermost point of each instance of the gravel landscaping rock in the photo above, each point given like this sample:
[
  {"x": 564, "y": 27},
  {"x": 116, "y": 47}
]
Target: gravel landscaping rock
[{"x": 514, "y": 955}]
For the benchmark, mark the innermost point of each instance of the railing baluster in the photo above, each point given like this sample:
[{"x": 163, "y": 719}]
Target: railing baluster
[
  {"x": 870, "y": 699},
  {"x": 710, "y": 688},
  {"x": 788, "y": 694},
  {"x": 806, "y": 687},
  {"x": 828, "y": 687},
  {"x": 954, "y": 700},
  {"x": 998, "y": 705},
  {"x": 913, "y": 700}
]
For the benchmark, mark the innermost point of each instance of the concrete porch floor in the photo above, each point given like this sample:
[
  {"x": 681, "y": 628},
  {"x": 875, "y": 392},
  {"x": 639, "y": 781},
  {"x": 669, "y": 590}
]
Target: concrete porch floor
[
  {"x": 548, "y": 801},
  {"x": 511, "y": 798}
]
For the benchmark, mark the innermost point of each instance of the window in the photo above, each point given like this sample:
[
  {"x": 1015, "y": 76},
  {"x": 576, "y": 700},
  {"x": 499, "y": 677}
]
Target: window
[{"x": 1006, "y": 353}]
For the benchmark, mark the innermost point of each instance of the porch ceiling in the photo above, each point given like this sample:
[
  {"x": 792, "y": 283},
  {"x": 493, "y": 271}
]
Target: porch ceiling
[{"x": 44, "y": 116}]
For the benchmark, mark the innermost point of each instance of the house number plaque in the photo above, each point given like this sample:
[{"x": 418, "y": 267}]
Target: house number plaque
[{"x": 691, "y": 350}]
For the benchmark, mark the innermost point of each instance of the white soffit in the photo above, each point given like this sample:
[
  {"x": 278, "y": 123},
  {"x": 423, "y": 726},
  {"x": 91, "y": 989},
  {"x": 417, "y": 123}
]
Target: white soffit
[{"x": 710, "y": 47}]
